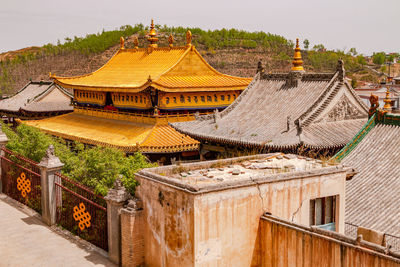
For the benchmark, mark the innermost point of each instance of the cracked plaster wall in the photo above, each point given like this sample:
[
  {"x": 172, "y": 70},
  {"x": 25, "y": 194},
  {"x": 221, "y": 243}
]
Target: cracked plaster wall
[{"x": 220, "y": 228}]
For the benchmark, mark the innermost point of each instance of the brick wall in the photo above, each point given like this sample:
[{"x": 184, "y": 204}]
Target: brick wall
[{"x": 132, "y": 240}]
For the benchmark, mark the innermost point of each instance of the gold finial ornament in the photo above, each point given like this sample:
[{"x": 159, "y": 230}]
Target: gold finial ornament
[
  {"x": 297, "y": 62},
  {"x": 136, "y": 42},
  {"x": 152, "y": 36},
  {"x": 188, "y": 38},
  {"x": 388, "y": 102},
  {"x": 122, "y": 42},
  {"x": 171, "y": 40}
]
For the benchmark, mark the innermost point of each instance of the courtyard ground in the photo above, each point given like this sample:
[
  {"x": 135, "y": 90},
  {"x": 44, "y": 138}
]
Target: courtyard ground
[{"x": 26, "y": 241}]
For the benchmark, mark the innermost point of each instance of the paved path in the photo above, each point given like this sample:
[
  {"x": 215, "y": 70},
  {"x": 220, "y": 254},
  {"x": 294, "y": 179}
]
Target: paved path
[{"x": 26, "y": 241}]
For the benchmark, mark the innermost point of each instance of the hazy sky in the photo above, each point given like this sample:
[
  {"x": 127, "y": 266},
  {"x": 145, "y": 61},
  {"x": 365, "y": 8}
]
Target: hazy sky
[{"x": 368, "y": 25}]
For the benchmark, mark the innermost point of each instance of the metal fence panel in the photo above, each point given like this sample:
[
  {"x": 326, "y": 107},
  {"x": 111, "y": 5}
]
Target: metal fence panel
[
  {"x": 81, "y": 211},
  {"x": 21, "y": 179}
]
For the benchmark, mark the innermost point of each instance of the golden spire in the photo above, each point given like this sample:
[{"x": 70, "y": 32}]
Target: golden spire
[
  {"x": 152, "y": 36},
  {"x": 188, "y": 38},
  {"x": 122, "y": 42},
  {"x": 297, "y": 62},
  {"x": 388, "y": 102},
  {"x": 171, "y": 40},
  {"x": 136, "y": 42}
]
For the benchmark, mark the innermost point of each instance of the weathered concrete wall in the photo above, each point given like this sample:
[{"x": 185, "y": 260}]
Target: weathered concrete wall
[
  {"x": 286, "y": 244},
  {"x": 227, "y": 221},
  {"x": 168, "y": 224},
  {"x": 220, "y": 227}
]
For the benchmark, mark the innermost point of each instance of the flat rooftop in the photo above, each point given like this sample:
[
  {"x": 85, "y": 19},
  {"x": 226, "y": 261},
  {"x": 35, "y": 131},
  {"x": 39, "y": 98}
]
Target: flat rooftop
[{"x": 240, "y": 171}]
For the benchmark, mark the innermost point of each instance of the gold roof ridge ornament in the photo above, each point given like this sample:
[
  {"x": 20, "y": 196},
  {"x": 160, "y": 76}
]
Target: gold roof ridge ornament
[
  {"x": 297, "y": 61},
  {"x": 171, "y": 40},
  {"x": 152, "y": 36},
  {"x": 121, "y": 43},
  {"x": 188, "y": 38},
  {"x": 388, "y": 102}
]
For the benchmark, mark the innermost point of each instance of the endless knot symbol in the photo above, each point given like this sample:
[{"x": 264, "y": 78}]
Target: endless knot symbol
[
  {"x": 23, "y": 184},
  {"x": 82, "y": 216}
]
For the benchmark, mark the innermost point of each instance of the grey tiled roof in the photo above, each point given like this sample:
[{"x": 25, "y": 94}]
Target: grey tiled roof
[
  {"x": 372, "y": 194},
  {"x": 262, "y": 113},
  {"x": 48, "y": 106},
  {"x": 26, "y": 98}
]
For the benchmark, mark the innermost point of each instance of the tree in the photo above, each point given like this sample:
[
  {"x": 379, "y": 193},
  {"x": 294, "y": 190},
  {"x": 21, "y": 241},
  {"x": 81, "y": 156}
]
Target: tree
[
  {"x": 391, "y": 58},
  {"x": 353, "y": 51},
  {"x": 95, "y": 167},
  {"x": 361, "y": 60},
  {"x": 306, "y": 44},
  {"x": 379, "y": 58},
  {"x": 319, "y": 47}
]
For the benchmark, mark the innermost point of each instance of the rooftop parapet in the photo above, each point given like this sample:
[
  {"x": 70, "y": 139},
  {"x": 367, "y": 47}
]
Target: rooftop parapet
[{"x": 241, "y": 171}]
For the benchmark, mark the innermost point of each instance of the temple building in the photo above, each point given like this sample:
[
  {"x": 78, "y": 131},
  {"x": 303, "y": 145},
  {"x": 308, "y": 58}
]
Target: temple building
[
  {"x": 374, "y": 153},
  {"x": 295, "y": 112},
  {"x": 37, "y": 100},
  {"x": 129, "y": 101}
]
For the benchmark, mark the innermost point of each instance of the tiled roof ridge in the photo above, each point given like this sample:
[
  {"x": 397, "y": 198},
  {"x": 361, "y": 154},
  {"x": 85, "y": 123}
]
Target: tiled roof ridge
[
  {"x": 356, "y": 139},
  {"x": 49, "y": 90},
  {"x": 304, "y": 76},
  {"x": 380, "y": 117},
  {"x": 325, "y": 98},
  {"x": 321, "y": 103},
  {"x": 193, "y": 49},
  {"x": 146, "y": 49}
]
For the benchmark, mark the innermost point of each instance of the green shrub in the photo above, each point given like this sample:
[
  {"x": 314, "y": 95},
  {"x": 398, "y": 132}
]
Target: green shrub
[{"x": 95, "y": 167}]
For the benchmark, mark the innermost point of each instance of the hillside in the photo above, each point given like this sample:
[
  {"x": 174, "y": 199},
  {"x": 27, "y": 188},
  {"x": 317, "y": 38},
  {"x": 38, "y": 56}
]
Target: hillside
[{"x": 229, "y": 51}]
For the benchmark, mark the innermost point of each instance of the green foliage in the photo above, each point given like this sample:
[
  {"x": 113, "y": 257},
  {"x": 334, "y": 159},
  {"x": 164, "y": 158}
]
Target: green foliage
[
  {"x": 306, "y": 44},
  {"x": 353, "y": 51},
  {"x": 327, "y": 60},
  {"x": 361, "y": 60},
  {"x": 95, "y": 167},
  {"x": 391, "y": 57},
  {"x": 319, "y": 47},
  {"x": 93, "y": 43},
  {"x": 379, "y": 58},
  {"x": 225, "y": 38}
]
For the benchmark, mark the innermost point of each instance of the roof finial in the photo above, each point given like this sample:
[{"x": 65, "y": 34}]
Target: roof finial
[
  {"x": 136, "y": 42},
  {"x": 188, "y": 38},
  {"x": 152, "y": 36},
  {"x": 171, "y": 40},
  {"x": 388, "y": 102},
  {"x": 122, "y": 42},
  {"x": 297, "y": 62}
]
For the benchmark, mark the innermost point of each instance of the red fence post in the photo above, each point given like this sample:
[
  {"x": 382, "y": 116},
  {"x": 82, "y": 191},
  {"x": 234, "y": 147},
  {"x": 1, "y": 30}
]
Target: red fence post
[
  {"x": 3, "y": 143},
  {"x": 115, "y": 198},
  {"x": 49, "y": 165}
]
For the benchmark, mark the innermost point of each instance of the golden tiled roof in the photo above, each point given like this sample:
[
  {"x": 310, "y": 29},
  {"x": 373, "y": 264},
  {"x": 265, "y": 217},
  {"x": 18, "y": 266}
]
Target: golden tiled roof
[
  {"x": 126, "y": 135},
  {"x": 169, "y": 69}
]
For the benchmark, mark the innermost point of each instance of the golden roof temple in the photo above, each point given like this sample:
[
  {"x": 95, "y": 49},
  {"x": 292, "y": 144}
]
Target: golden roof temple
[{"x": 129, "y": 101}]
